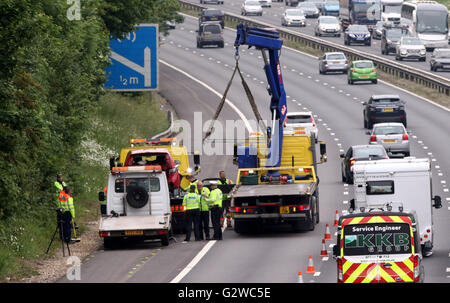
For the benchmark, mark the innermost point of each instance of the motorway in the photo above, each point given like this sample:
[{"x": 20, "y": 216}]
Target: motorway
[
  {"x": 275, "y": 255},
  {"x": 273, "y": 15}
]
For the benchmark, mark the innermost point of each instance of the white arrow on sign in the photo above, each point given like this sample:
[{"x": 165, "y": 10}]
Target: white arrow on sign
[{"x": 145, "y": 71}]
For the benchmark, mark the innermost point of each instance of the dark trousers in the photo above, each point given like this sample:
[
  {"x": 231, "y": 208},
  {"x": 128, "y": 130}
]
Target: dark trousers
[
  {"x": 216, "y": 214},
  {"x": 204, "y": 224},
  {"x": 192, "y": 216},
  {"x": 65, "y": 226}
]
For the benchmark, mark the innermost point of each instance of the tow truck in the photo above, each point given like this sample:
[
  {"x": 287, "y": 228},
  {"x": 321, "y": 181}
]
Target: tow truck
[
  {"x": 174, "y": 161},
  {"x": 276, "y": 180}
]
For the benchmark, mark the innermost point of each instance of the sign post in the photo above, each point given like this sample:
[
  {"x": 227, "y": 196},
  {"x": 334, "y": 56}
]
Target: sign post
[{"x": 134, "y": 61}]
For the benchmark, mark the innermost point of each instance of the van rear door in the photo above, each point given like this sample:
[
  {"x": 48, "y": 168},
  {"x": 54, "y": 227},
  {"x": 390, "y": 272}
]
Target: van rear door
[{"x": 377, "y": 249}]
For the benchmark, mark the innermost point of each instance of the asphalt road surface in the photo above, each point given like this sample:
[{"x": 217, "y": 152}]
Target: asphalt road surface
[
  {"x": 276, "y": 254},
  {"x": 272, "y": 15}
]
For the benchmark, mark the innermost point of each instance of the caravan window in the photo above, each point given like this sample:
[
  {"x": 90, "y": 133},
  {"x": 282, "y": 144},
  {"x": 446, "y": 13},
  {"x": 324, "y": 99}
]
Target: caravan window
[
  {"x": 141, "y": 182},
  {"x": 380, "y": 187}
]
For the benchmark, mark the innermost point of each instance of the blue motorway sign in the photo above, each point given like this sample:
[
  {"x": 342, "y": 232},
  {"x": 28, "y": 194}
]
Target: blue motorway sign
[{"x": 134, "y": 61}]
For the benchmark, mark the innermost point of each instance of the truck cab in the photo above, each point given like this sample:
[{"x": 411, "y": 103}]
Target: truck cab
[
  {"x": 378, "y": 247},
  {"x": 138, "y": 205},
  {"x": 407, "y": 180}
]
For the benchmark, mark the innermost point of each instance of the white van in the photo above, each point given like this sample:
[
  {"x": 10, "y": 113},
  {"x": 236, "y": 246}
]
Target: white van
[
  {"x": 138, "y": 205},
  {"x": 406, "y": 181}
]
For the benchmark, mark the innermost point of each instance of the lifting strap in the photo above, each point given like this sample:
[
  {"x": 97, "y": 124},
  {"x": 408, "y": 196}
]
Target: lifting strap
[{"x": 250, "y": 99}]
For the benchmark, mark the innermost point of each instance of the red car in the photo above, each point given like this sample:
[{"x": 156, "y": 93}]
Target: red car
[{"x": 158, "y": 156}]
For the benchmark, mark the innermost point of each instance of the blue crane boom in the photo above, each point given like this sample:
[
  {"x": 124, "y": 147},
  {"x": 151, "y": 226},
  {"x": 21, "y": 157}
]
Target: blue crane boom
[{"x": 269, "y": 43}]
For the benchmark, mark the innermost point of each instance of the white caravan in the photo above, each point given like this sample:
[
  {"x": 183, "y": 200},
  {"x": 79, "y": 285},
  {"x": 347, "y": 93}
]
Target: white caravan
[{"x": 405, "y": 182}]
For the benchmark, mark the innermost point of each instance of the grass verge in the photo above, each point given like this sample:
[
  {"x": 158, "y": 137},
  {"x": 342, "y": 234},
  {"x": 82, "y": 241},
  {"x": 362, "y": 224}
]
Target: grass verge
[{"x": 119, "y": 117}]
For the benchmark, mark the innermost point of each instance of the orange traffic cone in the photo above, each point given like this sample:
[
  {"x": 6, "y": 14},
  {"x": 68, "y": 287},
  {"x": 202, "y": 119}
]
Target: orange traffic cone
[
  {"x": 228, "y": 221},
  {"x": 310, "y": 269},
  {"x": 300, "y": 277},
  {"x": 327, "y": 233},
  {"x": 323, "y": 252},
  {"x": 336, "y": 219}
]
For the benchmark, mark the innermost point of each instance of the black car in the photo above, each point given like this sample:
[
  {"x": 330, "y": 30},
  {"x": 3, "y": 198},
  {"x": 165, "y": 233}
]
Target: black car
[
  {"x": 389, "y": 39},
  {"x": 384, "y": 108},
  {"x": 440, "y": 59},
  {"x": 357, "y": 33},
  {"x": 360, "y": 153},
  {"x": 211, "y": 15}
]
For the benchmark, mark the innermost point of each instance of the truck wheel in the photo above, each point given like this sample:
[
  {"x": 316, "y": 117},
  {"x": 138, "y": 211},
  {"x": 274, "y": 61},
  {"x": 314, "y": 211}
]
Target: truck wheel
[
  {"x": 165, "y": 240},
  {"x": 240, "y": 227}
]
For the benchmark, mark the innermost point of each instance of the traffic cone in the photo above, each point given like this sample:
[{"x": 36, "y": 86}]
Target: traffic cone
[
  {"x": 300, "y": 277},
  {"x": 221, "y": 221},
  {"x": 228, "y": 222},
  {"x": 310, "y": 269},
  {"x": 336, "y": 219},
  {"x": 323, "y": 252},
  {"x": 327, "y": 233}
]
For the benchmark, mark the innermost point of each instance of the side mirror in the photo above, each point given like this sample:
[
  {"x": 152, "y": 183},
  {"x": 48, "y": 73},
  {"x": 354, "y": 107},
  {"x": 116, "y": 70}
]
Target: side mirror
[
  {"x": 196, "y": 30},
  {"x": 352, "y": 204},
  {"x": 323, "y": 152},
  {"x": 335, "y": 251},
  {"x": 101, "y": 196},
  {"x": 364, "y": 103},
  {"x": 235, "y": 155},
  {"x": 342, "y": 156},
  {"x": 437, "y": 202},
  {"x": 196, "y": 158},
  {"x": 368, "y": 132}
]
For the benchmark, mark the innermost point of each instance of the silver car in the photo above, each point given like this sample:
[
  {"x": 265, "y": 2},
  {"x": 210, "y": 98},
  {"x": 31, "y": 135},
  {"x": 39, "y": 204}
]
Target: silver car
[
  {"x": 309, "y": 8},
  {"x": 293, "y": 17},
  {"x": 393, "y": 137},
  {"x": 410, "y": 48},
  {"x": 251, "y": 7},
  {"x": 327, "y": 25},
  {"x": 333, "y": 62}
]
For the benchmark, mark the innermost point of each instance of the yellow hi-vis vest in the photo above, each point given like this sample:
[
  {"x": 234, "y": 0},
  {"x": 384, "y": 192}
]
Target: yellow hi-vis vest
[
  {"x": 65, "y": 203},
  {"x": 227, "y": 181},
  {"x": 204, "y": 199},
  {"x": 191, "y": 201},
  {"x": 215, "y": 197}
]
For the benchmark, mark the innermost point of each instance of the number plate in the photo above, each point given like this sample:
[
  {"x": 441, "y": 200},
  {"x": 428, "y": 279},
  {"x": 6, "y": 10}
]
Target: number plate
[
  {"x": 389, "y": 141},
  {"x": 364, "y": 77},
  {"x": 336, "y": 62},
  {"x": 134, "y": 233},
  {"x": 299, "y": 128},
  {"x": 388, "y": 110},
  {"x": 214, "y": 18},
  {"x": 207, "y": 35},
  {"x": 284, "y": 209}
]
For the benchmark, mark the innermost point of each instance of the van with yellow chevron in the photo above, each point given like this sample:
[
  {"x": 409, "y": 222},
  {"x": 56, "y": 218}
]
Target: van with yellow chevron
[{"x": 380, "y": 246}]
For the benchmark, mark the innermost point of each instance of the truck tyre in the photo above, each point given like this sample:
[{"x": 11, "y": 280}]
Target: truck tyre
[
  {"x": 137, "y": 197},
  {"x": 240, "y": 227},
  {"x": 165, "y": 240}
]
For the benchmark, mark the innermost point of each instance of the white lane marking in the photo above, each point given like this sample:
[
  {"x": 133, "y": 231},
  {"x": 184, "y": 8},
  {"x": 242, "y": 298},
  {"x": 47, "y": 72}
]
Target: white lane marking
[
  {"x": 194, "y": 262},
  {"x": 240, "y": 114}
]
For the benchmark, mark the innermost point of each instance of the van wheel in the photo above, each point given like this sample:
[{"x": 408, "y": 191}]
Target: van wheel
[
  {"x": 110, "y": 243},
  {"x": 165, "y": 240}
]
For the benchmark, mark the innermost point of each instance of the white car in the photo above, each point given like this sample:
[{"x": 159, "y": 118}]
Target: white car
[
  {"x": 327, "y": 25},
  {"x": 410, "y": 48},
  {"x": 293, "y": 17},
  {"x": 251, "y": 7},
  {"x": 301, "y": 121},
  {"x": 265, "y": 3}
]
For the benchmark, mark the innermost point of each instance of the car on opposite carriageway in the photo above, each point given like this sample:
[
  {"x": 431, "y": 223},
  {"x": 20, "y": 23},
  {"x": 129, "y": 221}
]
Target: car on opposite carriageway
[
  {"x": 440, "y": 59},
  {"x": 293, "y": 17},
  {"x": 327, "y": 25},
  {"x": 357, "y": 33}
]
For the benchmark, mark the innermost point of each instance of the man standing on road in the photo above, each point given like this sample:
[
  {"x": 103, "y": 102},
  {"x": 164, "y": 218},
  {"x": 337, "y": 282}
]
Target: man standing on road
[
  {"x": 204, "y": 210},
  {"x": 192, "y": 203},
  {"x": 223, "y": 178},
  {"x": 215, "y": 198}
]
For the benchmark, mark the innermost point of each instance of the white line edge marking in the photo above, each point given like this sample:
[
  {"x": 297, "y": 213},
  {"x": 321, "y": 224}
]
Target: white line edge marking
[
  {"x": 240, "y": 114},
  {"x": 384, "y": 82}
]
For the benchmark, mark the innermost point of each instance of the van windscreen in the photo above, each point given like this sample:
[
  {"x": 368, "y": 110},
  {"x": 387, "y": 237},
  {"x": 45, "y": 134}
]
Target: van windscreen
[{"x": 377, "y": 239}]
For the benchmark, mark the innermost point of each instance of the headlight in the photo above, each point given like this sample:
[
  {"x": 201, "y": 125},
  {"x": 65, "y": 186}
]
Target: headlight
[
  {"x": 352, "y": 35},
  {"x": 423, "y": 52},
  {"x": 403, "y": 51},
  {"x": 388, "y": 41}
]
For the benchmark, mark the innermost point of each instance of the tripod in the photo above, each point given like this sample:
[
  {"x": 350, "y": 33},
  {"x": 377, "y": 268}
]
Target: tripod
[{"x": 60, "y": 228}]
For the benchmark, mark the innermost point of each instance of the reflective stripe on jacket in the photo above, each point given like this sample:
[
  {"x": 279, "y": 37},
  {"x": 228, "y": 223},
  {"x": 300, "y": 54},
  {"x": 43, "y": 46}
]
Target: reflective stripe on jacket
[
  {"x": 191, "y": 201},
  {"x": 204, "y": 199},
  {"x": 215, "y": 197}
]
